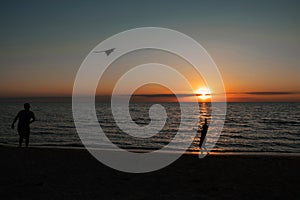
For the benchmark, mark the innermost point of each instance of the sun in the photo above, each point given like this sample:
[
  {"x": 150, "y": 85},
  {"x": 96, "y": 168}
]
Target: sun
[{"x": 203, "y": 93}]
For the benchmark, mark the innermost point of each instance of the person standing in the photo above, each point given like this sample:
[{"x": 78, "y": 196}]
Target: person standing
[
  {"x": 25, "y": 118},
  {"x": 203, "y": 137}
]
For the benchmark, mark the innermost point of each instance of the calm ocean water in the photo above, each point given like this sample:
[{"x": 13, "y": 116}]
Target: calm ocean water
[{"x": 249, "y": 127}]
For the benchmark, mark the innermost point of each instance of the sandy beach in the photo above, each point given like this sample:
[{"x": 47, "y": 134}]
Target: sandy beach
[{"x": 49, "y": 173}]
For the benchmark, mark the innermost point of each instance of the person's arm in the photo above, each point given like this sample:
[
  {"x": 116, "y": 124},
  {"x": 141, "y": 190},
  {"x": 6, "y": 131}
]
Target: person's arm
[
  {"x": 32, "y": 118},
  {"x": 15, "y": 119}
]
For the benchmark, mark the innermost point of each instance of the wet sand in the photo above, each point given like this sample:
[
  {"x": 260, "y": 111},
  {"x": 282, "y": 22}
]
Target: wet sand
[{"x": 51, "y": 173}]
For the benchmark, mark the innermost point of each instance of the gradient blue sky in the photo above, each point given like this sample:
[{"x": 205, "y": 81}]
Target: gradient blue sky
[{"x": 255, "y": 44}]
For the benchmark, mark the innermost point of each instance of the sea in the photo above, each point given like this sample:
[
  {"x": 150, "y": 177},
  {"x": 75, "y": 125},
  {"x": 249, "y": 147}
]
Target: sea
[{"x": 248, "y": 127}]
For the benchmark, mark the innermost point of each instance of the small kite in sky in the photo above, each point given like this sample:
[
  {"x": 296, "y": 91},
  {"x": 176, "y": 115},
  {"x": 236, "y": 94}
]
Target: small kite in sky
[{"x": 107, "y": 52}]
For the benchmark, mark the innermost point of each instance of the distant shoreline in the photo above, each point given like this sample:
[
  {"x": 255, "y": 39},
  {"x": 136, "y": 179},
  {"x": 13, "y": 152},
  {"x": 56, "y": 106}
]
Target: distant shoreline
[{"x": 214, "y": 152}]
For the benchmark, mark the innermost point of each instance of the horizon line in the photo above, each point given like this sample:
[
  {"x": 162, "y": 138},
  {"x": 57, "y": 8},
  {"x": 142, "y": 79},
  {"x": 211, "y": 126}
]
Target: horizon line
[
  {"x": 162, "y": 94},
  {"x": 69, "y": 98}
]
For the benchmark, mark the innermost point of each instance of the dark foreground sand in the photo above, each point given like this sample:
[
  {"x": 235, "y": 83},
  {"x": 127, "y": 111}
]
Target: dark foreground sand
[{"x": 42, "y": 173}]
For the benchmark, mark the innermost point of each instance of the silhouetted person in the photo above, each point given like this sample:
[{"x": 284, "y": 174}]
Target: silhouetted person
[
  {"x": 203, "y": 137},
  {"x": 25, "y": 117}
]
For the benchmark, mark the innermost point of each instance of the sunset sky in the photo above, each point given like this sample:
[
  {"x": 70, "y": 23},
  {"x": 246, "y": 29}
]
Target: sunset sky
[{"x": 255, "y": 44}]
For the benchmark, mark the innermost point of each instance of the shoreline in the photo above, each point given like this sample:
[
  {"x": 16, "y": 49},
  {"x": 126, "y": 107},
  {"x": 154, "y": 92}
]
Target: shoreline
[{"x": 241, "y": 153}]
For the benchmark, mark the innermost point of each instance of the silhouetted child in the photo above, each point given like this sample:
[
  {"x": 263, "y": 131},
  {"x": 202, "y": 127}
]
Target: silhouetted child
[
  {"x": 203, "y": 137},
  {"x": 25, "y": 117}
]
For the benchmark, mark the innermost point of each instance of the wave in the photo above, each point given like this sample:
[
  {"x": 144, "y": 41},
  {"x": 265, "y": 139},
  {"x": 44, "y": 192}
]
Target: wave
[{"x": 278, "y": 121}]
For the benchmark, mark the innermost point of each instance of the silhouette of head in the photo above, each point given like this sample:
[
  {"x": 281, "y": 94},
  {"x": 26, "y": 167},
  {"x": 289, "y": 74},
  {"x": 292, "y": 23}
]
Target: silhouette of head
[
  {"x": 205, "y": 121},
  {"x": 26, "y": 106}
]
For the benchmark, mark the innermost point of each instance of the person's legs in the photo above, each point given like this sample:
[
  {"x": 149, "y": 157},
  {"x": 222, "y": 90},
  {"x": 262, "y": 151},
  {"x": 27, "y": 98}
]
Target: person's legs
[
  {"x": 202, "y": 146},
  {"x": 204, "y": 142},
  {"x": 27, "y": 140},
  {"x": 26, "y": 135},
  {"x": 23, "y": 133},
  {"x": 20, "y": 139},
  {"x": 201, "y": 142}
]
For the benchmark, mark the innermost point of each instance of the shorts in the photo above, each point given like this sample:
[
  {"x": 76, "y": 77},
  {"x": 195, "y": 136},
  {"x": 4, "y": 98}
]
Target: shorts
[{"x": 24, "y": 132}]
